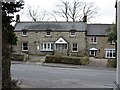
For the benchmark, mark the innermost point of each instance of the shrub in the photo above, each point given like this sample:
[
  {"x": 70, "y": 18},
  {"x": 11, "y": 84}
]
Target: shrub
[
  {"x": 19, "y": 57},
  {"x": 85, "y": 60},
  {"x": 15, "y": 84},
  {"x": 67, "y": 60},
  {"x": 112, "y": 63}
]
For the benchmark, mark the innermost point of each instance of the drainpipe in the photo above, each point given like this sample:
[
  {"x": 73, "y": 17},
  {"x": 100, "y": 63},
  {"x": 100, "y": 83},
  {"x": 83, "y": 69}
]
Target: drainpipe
[
  {"x": 118, "y": 43},
  {"x": 86, "y": 46},
  {"x": 1, "y": 46}
]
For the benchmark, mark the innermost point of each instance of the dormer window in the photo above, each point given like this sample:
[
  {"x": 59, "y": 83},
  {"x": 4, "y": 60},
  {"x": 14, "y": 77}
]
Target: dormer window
[
  {"x": 72, "y": 33},
  {"x": 93, "y": 40},
  {"x": 48, "y": 33},
  {"x": 24, "y": 33}
]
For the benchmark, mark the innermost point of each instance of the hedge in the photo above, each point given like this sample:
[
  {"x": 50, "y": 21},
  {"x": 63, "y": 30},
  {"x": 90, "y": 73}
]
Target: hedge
[
  {"x": 19, "y": 57},
  {"x": 112, "y": 63},
  {"x": 67, "y": 60}
]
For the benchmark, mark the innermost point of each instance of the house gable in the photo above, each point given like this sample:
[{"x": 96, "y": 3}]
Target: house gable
[{"x": 61, "y": 41}]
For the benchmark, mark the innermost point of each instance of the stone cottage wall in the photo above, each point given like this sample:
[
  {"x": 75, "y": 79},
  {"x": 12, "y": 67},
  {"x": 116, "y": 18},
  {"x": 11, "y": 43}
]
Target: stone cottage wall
[
  {"x": 34, "y": 39},
  {"x": 101, "y": 45}
]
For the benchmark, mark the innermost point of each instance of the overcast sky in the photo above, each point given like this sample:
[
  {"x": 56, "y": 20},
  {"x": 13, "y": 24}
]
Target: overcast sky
[{"x": 106, "y": 10}]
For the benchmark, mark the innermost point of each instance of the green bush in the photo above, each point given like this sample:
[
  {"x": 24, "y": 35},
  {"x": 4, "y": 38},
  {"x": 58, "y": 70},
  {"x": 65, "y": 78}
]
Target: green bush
[
  {"x": 19, "y": 57},
  {"x": 112, "y": 63},
  {"x": 85, "y": 60},
  {"x": 15, "y": 84},
  {"x": 67, "y": 60}
]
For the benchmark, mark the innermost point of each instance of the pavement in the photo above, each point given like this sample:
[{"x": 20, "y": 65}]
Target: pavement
[
  {"x": 99, "y": 64},
  {"x": 65, "y": 65}
]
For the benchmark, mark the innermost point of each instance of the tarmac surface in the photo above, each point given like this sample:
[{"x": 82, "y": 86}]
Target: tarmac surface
[{"x": 97, "y": 65}]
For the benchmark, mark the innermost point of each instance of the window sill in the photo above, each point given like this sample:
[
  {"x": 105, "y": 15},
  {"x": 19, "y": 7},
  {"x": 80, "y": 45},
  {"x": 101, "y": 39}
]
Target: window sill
[
  {"x": 24, "y": 35},
  {"x": 74, "y": 51},
  {"x": 93, "y": 43},
  {"x": 48, "y": 36},
  {"x": 72, "y": 36},
  {"x": 25, "y": 50},
  {"x": 46, "y": 50},
  {"x": 110, "y": 57}
]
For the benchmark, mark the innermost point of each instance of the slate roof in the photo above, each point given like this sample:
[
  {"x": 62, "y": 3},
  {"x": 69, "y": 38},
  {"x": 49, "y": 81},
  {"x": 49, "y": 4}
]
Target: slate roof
[
  {"x": 54, "y": 26},
  {"x": 98, "y": 29}
]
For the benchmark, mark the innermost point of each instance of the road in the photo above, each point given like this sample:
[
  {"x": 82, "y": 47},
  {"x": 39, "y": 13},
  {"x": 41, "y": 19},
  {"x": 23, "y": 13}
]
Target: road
[{"x": 38, "y": 76}]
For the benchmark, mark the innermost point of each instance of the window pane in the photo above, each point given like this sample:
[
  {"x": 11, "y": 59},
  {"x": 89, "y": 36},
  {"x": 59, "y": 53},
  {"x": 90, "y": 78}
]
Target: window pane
[
  {"x": 44, "y": 46},
  {"x": 94, "y": 39},
  {"x": 48, "y": 46},
  {"x": 72, "y": 33},
  {"x": 114, "y": 54},
  {"x": 74, "y": 46},
  {"x": 24, "y": 33},
  {"x": 48, "y": 33},
  {"x": 91, "y": 39},
  {"x": 52, "y": 46},
  {"x": 110, "y": 53}
]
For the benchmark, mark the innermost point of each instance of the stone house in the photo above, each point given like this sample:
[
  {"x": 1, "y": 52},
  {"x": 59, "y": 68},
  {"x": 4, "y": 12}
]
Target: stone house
[
  {"x": 63, "y": 38},
  {"x": 51, "y": 38}
]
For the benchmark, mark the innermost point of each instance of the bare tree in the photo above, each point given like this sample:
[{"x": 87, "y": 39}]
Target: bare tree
[
  {"x": 89, "y": 10},
  {"x": 63, "y": 10},
  {"x": 35, "y": 14},
  {"x": 76, "y": 10}
]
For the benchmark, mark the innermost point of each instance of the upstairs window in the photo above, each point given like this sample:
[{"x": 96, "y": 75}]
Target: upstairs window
[
  {"x": 72, "y": 33},
  {"x": 24, "y": 33},
  {"x": 93, "y": 40},
  {"x": 48, "y": 33}
]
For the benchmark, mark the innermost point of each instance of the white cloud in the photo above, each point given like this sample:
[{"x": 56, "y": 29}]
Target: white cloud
[{"x": 106, "y": 11}]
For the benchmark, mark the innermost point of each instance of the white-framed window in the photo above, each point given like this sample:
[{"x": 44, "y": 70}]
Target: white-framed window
[
  {"x": 46, "y": 46},
  {"x": 48, "y": 33},
  {"x": 24, "y": 33},
  {"x": 72, "y": 34},
  {"x": 25, "y": 46},
  {"x": 74, "y": 47},
  {"x": 61, "y": 46},
  {"x": 110, "y": 53},
  {"x": 93, "y": 40}
]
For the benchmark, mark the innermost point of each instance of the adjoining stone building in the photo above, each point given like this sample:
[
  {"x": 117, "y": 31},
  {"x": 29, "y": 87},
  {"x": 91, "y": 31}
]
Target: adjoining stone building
[
  {"x": 98, "y": 45},
  {"x": 63, "y": 38}
]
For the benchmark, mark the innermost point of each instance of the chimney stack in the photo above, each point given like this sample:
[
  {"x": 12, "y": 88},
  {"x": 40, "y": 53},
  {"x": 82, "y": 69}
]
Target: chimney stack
[
  {"x": 17, "y": 18},
  {"x": 85, "y": 18}
]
